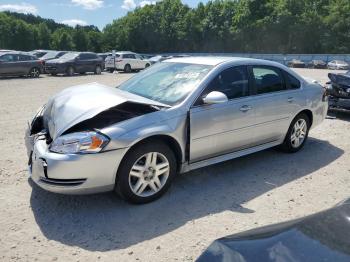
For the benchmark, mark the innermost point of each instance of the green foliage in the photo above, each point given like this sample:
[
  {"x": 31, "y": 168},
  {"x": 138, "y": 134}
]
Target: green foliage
[
  {"x": 28, "y": 32},
  {"x": 266, "y": 26}
]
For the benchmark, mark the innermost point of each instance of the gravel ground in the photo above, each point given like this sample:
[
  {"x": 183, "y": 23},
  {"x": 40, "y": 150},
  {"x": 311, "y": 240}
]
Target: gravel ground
[{"x": 205, "y": 204}]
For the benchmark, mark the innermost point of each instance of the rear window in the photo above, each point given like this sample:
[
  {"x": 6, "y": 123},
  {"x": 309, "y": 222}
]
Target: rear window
[{"x": 267, "y": 79}]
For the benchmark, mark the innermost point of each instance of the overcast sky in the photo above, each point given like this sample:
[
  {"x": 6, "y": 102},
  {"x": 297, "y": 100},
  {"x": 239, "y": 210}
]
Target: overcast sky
[{"x": 83, "y": 12}]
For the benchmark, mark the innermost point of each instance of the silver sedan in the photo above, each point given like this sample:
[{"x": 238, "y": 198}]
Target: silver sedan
[{"x": 176, "y": 116}]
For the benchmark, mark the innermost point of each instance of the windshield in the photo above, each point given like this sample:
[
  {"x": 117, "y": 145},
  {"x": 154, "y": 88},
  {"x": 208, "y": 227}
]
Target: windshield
[
  {"x": 69, "y": 56},
  {"x": 167, "y": 83},
  {"x": 50, "y": 55}
]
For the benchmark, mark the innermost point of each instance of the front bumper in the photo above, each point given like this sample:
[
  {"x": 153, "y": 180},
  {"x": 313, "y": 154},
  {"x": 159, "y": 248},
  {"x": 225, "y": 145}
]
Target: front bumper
[
  {"x": 341, "y": 103},
  {"x": 54, "y": 69},
  {"x": 74, "y": 173}
]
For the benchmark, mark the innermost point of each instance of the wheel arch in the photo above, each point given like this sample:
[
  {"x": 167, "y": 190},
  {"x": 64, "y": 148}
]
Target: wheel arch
[
  {"x": 173, "y": 144},
  {"x": 308, "y": 113}
]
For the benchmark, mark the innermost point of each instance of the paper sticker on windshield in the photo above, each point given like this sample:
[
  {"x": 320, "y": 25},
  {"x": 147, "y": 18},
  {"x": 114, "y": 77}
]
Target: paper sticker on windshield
[{"x": 188, "y": 75}]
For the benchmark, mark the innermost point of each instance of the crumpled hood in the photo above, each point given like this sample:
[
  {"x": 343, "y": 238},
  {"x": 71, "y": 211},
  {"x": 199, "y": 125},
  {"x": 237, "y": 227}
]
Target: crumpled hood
[{"x": 76, "y": 104}]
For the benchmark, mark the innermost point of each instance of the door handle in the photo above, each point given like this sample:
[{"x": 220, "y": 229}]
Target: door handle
[
  {"x": 290, "y": 99},
  {"x": 245, "y": 108}
]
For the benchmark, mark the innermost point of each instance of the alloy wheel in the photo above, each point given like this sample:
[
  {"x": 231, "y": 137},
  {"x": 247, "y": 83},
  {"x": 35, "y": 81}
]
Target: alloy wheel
[
  {"x": 34, "y": 72},
  {"x": 149, "y": 174},
  {"x": 298, "y": 133}
]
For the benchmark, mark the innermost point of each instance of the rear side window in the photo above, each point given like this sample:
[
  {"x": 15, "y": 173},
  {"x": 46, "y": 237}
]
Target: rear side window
[
  {"x": 267, "y": 79},
  {"x": 233, "y": 82},
  {"x": 292, "y": 81},
  {"x": 25, "y": 58},
  {"x": 87, "y": 56},
  {"x": 129, "y": 56},
  {"x": 91, "y": 56}
]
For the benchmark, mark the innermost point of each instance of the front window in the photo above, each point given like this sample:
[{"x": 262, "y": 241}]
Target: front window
[
  {"x": 233, "y": 82},
  {"x": 167, "y": 83}
]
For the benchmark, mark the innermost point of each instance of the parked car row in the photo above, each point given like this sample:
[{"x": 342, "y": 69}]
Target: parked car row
[
  {"x": 32, "y": 64},
  {"x": 319, "y": 64}
]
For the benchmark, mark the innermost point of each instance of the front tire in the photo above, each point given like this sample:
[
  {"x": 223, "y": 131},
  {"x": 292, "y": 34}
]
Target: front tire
[
  {"x": 297, "y": 134},
  {"x": 146, "y": 172}
]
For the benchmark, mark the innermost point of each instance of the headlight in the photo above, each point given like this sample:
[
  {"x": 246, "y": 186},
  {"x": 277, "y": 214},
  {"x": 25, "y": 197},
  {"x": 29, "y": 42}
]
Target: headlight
[{"x": 79, "y": 143}]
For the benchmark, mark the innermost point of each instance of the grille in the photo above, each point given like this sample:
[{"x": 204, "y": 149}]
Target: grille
[{"x": 62, "y": 182}]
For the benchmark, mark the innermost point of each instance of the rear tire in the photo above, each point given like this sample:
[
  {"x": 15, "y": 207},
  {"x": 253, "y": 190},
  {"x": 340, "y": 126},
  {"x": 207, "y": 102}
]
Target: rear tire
[
  {"x": 146, "y": 172},
  {"x": 34, "y": 72},
  {"x": 297, "y": 134},
  {"x": 147, "y": 65},
  {"x": 70, "y": 71},
  {"x": 98, "y": 70},
  {"x": 127, "y": 68},
  {"x": 111, "y": 70}
]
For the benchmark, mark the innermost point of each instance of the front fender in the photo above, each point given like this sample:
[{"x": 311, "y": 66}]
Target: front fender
[{"x": 174, "y": 128}]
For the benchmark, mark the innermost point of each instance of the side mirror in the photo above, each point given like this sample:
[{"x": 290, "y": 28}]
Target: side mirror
[{"x": 215, "y": 97}]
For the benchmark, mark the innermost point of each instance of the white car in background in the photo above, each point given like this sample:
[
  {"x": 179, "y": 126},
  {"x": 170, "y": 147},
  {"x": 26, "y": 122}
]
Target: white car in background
[
  {"x": 126, "y": 61},
  {"x": 338, "y": 64}
]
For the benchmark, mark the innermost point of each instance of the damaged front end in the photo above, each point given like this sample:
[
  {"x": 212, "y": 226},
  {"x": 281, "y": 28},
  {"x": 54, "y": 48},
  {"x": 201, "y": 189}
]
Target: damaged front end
[
  {"x": 65, "y": 136},
  {"x": 338, "y": 90},
  {"x": 85, "y": 136}
]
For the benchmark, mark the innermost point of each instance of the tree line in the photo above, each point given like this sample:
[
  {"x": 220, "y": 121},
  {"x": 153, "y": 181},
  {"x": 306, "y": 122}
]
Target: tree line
[{"x": 259, "y": 26}]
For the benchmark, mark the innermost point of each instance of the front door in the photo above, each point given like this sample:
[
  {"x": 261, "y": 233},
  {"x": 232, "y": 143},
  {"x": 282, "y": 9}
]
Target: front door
[
  {"x": 10, "y": 65},
  {"x": 218, "y": 129}
]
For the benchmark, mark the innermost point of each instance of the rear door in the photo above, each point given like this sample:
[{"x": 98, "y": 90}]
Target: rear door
[
  {"x": 92, "y": 61},
  {"x": 26, "y": 63},
  {"x": 274, "y": 101},
  {"x": 141, "y": 64},
  {"x": 131, "y": 60},
  {"x": 81, "y": 63},
  {"x": 226, "y": 127}
]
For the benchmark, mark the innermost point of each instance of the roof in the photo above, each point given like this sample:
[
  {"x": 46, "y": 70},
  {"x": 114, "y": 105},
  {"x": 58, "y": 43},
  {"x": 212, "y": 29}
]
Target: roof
[
  {"x": 16, "y": 53},
  {"x": 214, "y": 60},
  {"x": 124, "y": 52}
]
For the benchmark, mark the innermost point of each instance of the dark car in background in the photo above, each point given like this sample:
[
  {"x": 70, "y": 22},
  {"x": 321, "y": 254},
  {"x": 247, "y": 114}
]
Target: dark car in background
[
  {"x": 19, "y": 64},
  {"x": 296, "y": 63},
  {"x": 317, "y": 64},
  {"x": 320, "y": 237},
  {"x": 338, "y": 90},
  {"x": 75, "y": 62}
]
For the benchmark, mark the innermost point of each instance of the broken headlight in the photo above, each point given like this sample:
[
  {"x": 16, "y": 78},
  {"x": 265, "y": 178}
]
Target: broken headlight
[{"x": 79, "y": 143}]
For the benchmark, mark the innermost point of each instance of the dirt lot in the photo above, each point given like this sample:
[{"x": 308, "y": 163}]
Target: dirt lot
[{"x": 227, "y": 198}]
